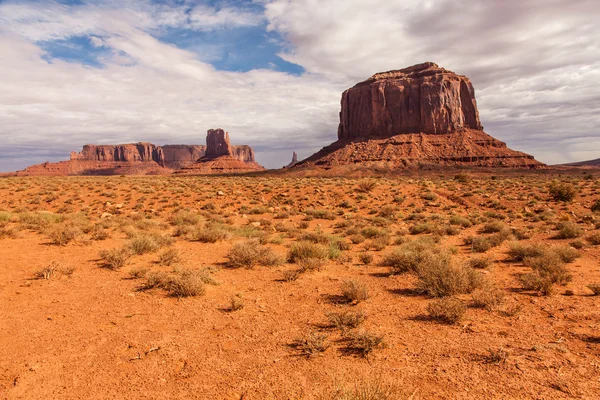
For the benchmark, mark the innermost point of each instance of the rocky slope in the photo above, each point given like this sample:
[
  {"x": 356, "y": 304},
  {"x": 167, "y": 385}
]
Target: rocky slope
[{"x": 415, "y": 116}]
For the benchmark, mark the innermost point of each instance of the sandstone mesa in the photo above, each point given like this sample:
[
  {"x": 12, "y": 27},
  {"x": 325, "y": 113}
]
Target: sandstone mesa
[
  {"x": 145, "y": 158},
  {"x": 416, "y": 116}
]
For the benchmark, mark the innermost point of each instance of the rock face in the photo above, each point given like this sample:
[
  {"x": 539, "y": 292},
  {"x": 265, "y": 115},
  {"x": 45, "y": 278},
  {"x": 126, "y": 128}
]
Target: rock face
[
  {"x": 148, "y": 159},
  {"x": 217, "y": 143},
  {"x": 415, "y": 116},
  {"x": 135, "y": 152},
  {"x": 294, "y": 160},
  {"x": 421, "y": 98},
  {"x": 221, "y": 157}
]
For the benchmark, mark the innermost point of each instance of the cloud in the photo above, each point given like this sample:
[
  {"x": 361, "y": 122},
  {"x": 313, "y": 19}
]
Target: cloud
[{"x": 535, "y": 65}]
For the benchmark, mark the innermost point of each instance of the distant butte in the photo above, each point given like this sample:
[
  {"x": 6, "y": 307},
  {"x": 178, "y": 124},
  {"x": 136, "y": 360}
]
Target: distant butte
[
  {"x": 145, "y": 158},
  {"x": 416, "y": 116}
]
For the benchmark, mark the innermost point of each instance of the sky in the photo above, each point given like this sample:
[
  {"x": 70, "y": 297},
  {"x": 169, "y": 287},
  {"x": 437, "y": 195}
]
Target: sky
[{"x": 271, "y": 72}]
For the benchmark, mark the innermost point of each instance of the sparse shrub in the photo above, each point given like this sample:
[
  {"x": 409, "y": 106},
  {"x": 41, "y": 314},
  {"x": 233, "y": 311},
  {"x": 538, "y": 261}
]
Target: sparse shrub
[
  {"x": 312, "y": 343},
  {"x": 461, "y": 221},
  {"x": 291, "y": 275},
  {"x": 366, "y": 258},
  {"x": 115, "y": 258},
  {"x": 366, "y": 185},
  {"x": 208, "y": 234},
  {"x": 304, "y": 250},
  {"x": 547, "y": 270},
  {"x": 357, "y": 238},
  {"x": 518, "y": 251},
  {"x": 364, "y": 342},
  {"x": 496, "y": 356},
  {"x": 448, "y": 310},
  {"x": 408, "y": 256},
  {"x": 560, "y": 191},
  {"x": 480, "y": 262},
  {"x": 183, "y": 218},
  {"x": 138, "y": 272},
  {"x": 346, "y": 320},
  {"x": 169, "y": 257},
  {"x": 310, "y": 264},
  {"x": 235, "y": 303},
  {"x": 596, "y": 206},
  {"x": 595, "y": 288},
  {"x": 366, "y": 390},
  {"x": 481, "y": 244},
  {"x": 251, "y": 253},
  {"x": 48, "y": 271},
  {"x": 594, "y": 238},
  {"x": 566, "y": 253},
  {"x": 354, "y": 292},
  {"x": 186, "y": 284},
  {"x": 493, "y": 227},
  {"x": 63, "y": 234},
  {"x": 142, "y": 243},
  {"x": 568, "y": 230},
  {"x": 439, "y": 277},
  {"x": 489, "y": 297}
]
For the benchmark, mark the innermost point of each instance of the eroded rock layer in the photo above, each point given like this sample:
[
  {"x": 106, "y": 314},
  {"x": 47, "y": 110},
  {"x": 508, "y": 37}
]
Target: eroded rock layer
[
  {"x": 421, "y": 98},
  {"x": 419, "y": 115},
  {"x": 148, "y": 159}
]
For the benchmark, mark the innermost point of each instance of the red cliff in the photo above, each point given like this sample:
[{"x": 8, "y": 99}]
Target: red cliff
[{"x": 415, "y": 116}]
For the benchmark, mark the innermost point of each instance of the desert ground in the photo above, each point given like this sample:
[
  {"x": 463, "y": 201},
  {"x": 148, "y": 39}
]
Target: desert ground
[{"x": 462, "y": 285}]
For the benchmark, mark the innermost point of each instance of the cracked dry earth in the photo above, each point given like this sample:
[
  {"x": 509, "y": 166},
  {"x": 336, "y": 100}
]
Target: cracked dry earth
[{"x": 73, "y": 325}]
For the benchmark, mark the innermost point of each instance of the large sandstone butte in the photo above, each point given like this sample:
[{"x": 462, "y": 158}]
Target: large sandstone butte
[
  {"x": 141, "y": 158},
  {"x": 415, "y": 116},
  {"x": 222, "y": 158}
]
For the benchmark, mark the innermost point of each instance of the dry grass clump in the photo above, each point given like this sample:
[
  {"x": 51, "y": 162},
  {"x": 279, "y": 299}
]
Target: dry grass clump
[
  {"x": 346, "y": 320},
  {"x": 568, "y": 230},
  {"x": 493, "y": 227},
  {"x": 235, "y": 303},
  {"x": 488, "y": 297},
  {"x": 142, "y": 243},
  {"x": 440, "y": 277},
  {"x": 251, "y": 253},
  {"x": 595, "y": 288},
  {"x": 480, "y": 262},
  {"x": 366, "y": 185},
  {"x": 365, "y": 342},
  {"x": 115, "y": 258},
  {"x": 185, "y": 218},
  {"x": 409, "y": 255},
  {"x": 62, "y": 234},
  {"x": 365, "y": 258},
  {"x": 354, "y": 292},
  {"x": 448, "y": 310},
  {"x": 548, "y": 269},
  {"x": 481, "y": 244},
  {"x": 365, "y": 390},
  {"x": 304, "y": 250},
  {"x": 312, "y": 343},
  {"x": 8, "y": 232},
  {"x": 519, "y": 251},
  {"x": 211, "y": 233},
  {"x": 169, "y": 257},
  {"x": 179, "y": 282},
  {"x": 561, "y": 191},
  {"x": 593, "y": 239}
]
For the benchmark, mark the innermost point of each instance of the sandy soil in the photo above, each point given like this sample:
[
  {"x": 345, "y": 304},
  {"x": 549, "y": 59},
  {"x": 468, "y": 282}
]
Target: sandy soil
[{"x": 90, "y": 332}]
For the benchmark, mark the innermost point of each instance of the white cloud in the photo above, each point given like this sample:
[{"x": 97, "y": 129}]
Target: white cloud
[{"x": 534, "y": 64}]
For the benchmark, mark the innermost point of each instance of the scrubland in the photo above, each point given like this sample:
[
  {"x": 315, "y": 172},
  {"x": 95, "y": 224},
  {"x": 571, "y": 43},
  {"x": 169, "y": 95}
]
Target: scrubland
[{"x": 462, "y": 285}]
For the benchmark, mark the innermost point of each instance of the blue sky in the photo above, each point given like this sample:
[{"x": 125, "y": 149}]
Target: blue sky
[{"x": 271, "y": 72}]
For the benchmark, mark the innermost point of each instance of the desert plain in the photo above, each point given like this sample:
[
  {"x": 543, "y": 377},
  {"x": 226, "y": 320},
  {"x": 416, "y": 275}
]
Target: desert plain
[{"x": 441, "y": 284}]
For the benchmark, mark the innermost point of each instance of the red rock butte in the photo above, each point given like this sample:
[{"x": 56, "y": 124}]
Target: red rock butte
[
  {"x": 145, "y": 158},
  {"x": 415, "y": 116}
]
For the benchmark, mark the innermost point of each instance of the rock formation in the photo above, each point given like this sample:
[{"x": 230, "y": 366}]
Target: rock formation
[
  {"x": 222, "y": 158},
  {"x": 294, "y": 160},
  {"x": 419, "y": 115},
  {"x": 148, "y": 159}
]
